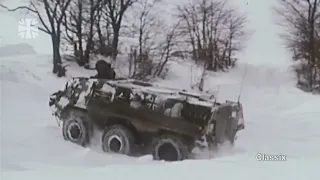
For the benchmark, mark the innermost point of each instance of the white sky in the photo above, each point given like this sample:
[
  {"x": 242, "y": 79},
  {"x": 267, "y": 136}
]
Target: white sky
[{"x": 263, "y": 47}]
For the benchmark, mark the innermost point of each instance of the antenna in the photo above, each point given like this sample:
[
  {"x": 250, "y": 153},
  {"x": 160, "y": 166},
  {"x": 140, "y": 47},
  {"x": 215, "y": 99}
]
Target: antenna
[
  {"x": 244, "y": 74},
  {"x": 191, "y": 77},
  {"x": 216, "y": 95}
]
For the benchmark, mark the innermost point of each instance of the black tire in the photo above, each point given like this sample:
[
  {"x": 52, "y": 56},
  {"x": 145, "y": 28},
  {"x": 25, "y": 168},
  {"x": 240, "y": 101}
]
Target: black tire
[
  {"x": 169, "y": 148},
  {"x": 118, "y": 139},
  {"x": 77, "y": 128}
]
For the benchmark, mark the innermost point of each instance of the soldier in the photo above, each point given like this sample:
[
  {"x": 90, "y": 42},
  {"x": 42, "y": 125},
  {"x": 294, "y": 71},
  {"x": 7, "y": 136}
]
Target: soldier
[{"x": 104, "y": 70}]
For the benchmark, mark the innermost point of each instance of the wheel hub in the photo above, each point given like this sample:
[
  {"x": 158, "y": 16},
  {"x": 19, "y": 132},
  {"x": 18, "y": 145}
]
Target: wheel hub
[
  {"x": 115, "y": 144},
  {"x": 74, "y": 131},
  {"x": 167, "y": 152}
]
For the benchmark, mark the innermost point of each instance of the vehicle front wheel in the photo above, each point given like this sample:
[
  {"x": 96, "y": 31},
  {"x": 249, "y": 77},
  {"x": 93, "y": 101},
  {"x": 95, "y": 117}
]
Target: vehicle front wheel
[
  {"x": 77, "y": 130},
  {"x": 118, "y": 139}
]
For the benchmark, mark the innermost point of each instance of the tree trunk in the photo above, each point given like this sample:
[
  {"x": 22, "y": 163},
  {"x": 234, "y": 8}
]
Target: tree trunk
[
  {"x": 102, "y": 44},
  {"x": 115, "y": 42},
  {"x": 89, "y": 44},
  {"x": 56, "y": 53},
  {"x": 81, "y": 61}
]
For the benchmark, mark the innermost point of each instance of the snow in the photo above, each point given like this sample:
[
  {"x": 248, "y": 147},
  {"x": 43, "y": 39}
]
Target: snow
[
  {"x": 16, "y": 50},
  {"x": 280, "y": 119},
  {"x": 164, "y": 93},
  {"x": 187, "y": 171}
]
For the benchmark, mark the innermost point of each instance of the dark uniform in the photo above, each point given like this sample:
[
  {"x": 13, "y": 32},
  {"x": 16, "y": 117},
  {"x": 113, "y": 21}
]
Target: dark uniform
[{"x": 104, "y": 70}]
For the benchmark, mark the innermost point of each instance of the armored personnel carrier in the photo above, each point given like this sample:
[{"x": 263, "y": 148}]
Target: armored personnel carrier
[{"x": 137, "y": 116}]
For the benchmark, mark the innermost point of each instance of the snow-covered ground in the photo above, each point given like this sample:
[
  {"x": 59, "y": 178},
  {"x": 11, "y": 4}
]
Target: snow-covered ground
[{"x": 279, "y": 118}]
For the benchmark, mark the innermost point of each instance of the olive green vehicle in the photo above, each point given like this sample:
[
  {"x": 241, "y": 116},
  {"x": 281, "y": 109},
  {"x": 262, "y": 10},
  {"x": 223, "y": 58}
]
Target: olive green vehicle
[{"x": 144, "y": 118}]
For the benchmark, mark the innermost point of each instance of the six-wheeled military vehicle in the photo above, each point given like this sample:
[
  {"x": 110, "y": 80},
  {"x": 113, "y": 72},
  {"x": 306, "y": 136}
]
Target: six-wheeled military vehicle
[{"x": 137, "y": 116}]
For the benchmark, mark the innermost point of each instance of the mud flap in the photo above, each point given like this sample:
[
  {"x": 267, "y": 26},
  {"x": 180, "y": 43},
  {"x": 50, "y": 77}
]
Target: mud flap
[
  {"x": 232, "y": 129},
  {"x": 225, "y": 125}
]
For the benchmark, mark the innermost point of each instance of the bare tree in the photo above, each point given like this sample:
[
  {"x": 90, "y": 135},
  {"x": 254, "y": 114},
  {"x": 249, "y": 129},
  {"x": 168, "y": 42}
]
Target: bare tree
[
  {"x": 102, "y": 44},
  {"x": 236, "y": 36},
  {"x": 301, "y": 20},
  {"x": 92, "y": 14},
  {"x": 145, "y": 30},
  {"x": 55, "y": 12},
  {"x": 115, "y": 11},
  {"x": 213, "y": 31},
  {"x": 167, "y": 48},
  {"x": 73, "y": 23},
  {"x": 79, "y": 26}
]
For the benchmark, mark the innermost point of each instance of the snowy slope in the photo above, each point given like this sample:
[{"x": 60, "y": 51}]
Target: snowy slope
[{"x": 279, "y": 120}]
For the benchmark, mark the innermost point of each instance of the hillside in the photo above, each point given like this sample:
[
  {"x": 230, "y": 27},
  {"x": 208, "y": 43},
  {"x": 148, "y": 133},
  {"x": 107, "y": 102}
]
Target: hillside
[{"x": 279, "y": 118}]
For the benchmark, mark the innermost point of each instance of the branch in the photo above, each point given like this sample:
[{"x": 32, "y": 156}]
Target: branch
[
  {"x": 45, "y": 29},
  {"x": 18, "y": 8},
  {"x": 63, "y": 11}
]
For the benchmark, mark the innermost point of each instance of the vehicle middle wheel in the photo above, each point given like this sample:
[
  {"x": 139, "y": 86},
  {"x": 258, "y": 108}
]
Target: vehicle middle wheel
[{"x": 118, "y": 139}]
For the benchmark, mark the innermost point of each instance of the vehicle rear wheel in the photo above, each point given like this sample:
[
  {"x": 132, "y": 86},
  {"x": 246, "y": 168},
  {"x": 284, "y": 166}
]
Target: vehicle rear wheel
[
  {"x": 76, "y": 128},
  {"x": 170, "y": 148},
  {"x": 118, "y": 139}
]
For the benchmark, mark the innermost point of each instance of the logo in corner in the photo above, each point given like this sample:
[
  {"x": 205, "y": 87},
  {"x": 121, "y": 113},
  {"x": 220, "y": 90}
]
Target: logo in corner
[{"x": 28, "y": 28}]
